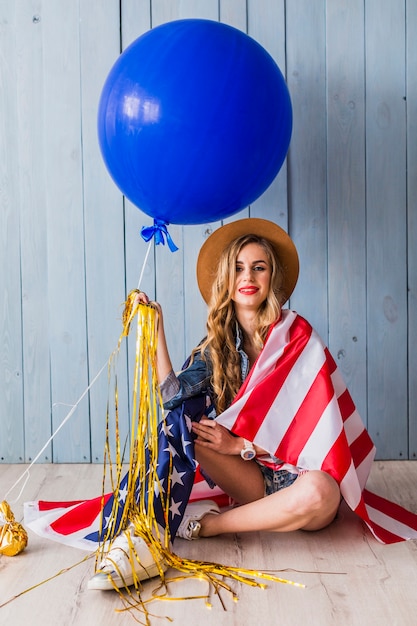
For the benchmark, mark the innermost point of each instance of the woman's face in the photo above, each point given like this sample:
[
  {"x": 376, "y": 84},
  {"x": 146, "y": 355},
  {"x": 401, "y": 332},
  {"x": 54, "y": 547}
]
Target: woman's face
[{"x": 253, "y": 277}]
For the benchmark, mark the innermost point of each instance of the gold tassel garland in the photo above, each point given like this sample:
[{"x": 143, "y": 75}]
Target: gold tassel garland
[{"x": 146, "y": 407}]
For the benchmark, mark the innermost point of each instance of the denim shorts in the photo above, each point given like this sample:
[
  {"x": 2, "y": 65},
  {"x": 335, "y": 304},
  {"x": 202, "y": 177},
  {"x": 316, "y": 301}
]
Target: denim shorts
[{"x": 275, "y": 480}]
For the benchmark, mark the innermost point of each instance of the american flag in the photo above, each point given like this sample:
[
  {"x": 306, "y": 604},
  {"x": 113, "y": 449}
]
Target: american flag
[
  {"x": 78, "y": 523},
  {"x": 293, "y": 396},
  {"x": 295, "y": 405}
]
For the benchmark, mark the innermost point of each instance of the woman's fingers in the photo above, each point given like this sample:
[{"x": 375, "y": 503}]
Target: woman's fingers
[
  {"x": 142, "y": 297},
  {"x": 207, "y": 429},
  {"x": 212, "y": 435}
]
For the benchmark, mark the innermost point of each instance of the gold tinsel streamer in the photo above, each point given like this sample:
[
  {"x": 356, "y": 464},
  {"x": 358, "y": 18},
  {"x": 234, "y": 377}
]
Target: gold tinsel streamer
[{"x": 143, "y": 458}]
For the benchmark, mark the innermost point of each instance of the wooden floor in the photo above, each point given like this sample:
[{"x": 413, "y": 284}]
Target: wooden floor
[{"x": 350, "y": 579}]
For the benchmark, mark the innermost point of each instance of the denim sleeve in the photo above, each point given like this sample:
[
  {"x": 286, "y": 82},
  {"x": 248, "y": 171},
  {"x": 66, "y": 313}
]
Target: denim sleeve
[{"x": 192, "y": 381}]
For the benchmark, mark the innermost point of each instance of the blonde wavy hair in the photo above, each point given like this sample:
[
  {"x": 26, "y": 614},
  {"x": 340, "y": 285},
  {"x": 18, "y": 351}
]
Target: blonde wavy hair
[{"x": 220, "y": 343}]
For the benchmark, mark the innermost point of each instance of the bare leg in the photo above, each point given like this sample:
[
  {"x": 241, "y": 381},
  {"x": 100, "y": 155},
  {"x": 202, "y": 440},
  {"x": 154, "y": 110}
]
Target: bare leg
[
  {"x": 241, "y": 480},
  {"x": 310, "y": 503}
]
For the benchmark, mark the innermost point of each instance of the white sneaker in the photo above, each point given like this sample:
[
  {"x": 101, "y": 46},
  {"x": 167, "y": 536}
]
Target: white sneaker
[
  {"x": 116, "y": 568},
  {"x": 190, "y": 524}
]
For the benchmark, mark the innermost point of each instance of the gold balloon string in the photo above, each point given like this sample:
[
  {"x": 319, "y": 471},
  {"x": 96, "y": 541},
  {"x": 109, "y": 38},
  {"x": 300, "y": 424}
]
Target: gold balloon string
[{"x": 47, "y": 580}]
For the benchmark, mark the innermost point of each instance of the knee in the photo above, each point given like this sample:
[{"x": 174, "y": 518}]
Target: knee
[{"x": 318, "y": 491}]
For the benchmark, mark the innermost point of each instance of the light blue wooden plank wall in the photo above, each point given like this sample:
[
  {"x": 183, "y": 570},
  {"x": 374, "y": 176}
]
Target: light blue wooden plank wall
[
  {"x": 411, "y": 82},
  {"x": 70, "y": 248}
]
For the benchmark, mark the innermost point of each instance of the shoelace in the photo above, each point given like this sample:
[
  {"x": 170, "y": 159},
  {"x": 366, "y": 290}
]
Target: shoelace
[{"x": 117, "y": 557}]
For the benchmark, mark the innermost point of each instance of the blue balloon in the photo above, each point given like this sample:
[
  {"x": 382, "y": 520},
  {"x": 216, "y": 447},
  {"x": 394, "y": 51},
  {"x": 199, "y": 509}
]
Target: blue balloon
[{"x": 194, "y": 121}]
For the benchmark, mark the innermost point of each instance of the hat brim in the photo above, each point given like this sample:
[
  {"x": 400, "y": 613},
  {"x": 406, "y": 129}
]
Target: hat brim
[{"x": 212, "y": 248}]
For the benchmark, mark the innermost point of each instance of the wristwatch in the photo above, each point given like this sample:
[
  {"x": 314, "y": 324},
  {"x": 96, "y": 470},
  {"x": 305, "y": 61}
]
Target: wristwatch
[{"x": 248, "y": 451}]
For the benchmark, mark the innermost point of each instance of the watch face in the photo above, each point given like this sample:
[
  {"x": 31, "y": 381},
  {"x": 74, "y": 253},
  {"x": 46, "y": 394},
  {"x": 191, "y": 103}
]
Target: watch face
[{"x": 248, "y": 454}]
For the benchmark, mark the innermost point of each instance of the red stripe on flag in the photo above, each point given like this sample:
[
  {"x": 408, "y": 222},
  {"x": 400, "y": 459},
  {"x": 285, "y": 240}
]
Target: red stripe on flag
[
  {"x": 74, "y": 521},
  {"x": 385, "y": 535},
  {"x": 307, "y": 417},
  {"x": 346, "y": 405},
  {"x": 337, "y": 461},
  {"x": 391, "y": 509},
  {"x": 361, "y": 447},
  {"x": 361, "y": 510},
  {"x": 243, "y": 387},
  {"x": 44, "y": 505},
  {"x": 380, "y": 533},
  {"x": 256, "y": 408},
  {"x": 330, "y": 361}
]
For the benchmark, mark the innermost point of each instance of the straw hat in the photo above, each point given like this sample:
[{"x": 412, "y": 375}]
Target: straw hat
[{"x": 208, "y": 258}]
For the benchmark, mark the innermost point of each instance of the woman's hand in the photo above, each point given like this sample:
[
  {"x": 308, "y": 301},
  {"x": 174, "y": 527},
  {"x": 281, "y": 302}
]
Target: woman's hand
[
  {"x": 141, "y": 297},
  {"x": 211, "y": 434}
]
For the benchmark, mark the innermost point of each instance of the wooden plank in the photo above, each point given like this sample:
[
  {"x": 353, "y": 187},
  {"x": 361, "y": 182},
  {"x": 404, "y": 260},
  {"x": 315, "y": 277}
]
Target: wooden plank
[
  {"x": 11, "y": 366},
  {"x": 65, "y": 243},
  {"x": 135, "y": 19},
  {"x": 196, "y": 309},
  {"x": 234, "y": 13},
  {"x": 306, "y": 162},
  {"x": 350, "y": 578},
  {"x": 104, "y": 222},
  {"x": 411, "y": 81},
  {"x": 386, "y": 227},
  {"x": 346, "y": 193},
  {"x": 34, "y": 229},
  {"x": 270, "y": 33},
  {"x": 168, "y": 10}
]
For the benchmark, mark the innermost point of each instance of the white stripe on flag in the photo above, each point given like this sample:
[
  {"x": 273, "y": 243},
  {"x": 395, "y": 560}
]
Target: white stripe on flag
[
  {"x": 364, "y": 468},
  {"x": 353, "y": 427},
  {"x": 391, "y": 524},
  {"x": 350, "y": 487},
  {"x": 289, "y": 399},
  {"x": 41, "y": 526},
  {"x": 322, "y": 438}
]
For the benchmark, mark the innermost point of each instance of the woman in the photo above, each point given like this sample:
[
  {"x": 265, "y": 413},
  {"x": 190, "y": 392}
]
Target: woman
[
  {"x": 246, "y": 271},
  {"x": 246, "y": 299}
]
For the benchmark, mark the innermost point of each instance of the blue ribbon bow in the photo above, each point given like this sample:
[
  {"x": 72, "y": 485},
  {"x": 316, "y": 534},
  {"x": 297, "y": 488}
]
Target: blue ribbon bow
[{"x": 160, "y": 232}]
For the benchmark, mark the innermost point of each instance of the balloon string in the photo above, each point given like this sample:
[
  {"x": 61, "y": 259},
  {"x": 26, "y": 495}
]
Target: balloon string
[
  {"x": 144, "y": 263},
  {"x": 71, "y": 412},
  {"x": 64, "y": 421}
]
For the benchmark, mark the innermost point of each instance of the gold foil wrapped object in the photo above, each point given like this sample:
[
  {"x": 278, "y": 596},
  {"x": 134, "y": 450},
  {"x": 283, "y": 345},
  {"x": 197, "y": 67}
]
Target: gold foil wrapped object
[{"x": 13, "y": 537}]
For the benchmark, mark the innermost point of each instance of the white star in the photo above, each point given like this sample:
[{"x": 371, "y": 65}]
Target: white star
[
  {"x": 123, "y": 494},
  {"x": 167, "y": 429},
  {"x": 188, "y": 422},
  {"x": 176, "y": 477},
  {"x": 171, "y": 450},
  {"x": 185, "y": 442},
  {"x": 158, "y": 484},
  {"x": 174, "y": 508},
  {"x": 107, "y": 520}
]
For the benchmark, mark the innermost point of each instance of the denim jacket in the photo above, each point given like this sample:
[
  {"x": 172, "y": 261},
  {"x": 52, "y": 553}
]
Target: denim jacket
[{"x": 195, "y": 378}]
